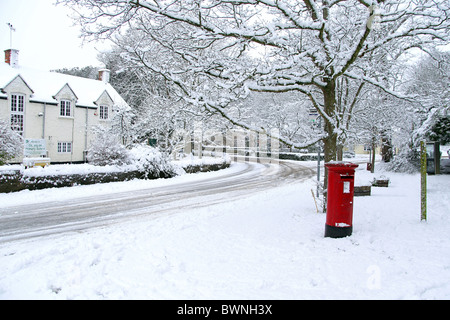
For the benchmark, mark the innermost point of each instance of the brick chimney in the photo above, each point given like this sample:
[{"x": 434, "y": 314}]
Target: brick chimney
[
  {"x": 103, "y": 75},
  {"x": 12, "y": 57}
]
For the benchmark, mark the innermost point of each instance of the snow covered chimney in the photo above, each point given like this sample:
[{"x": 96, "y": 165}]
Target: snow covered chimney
[
  {"x": 103, "y": 75},
  {"x": 12, "y": 57}
]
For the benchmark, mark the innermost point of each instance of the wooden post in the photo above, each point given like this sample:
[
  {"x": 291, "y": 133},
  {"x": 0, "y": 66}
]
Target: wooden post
[
  {"x": 423, "y": 181},
  {"x": 317, "y": 208}
]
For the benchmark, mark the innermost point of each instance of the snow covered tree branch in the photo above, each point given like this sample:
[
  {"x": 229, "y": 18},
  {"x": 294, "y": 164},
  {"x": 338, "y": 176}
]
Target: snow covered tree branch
[{"x": 216, "y": 51}]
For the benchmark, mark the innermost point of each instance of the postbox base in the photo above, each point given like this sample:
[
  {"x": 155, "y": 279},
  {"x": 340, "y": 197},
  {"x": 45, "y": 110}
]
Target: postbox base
[{"x": 337, "y": 232}]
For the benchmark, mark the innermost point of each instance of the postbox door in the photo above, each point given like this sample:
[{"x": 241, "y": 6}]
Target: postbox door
[
  {"x": 341, "y": 202},
  {"x": 345, "y": 216}
]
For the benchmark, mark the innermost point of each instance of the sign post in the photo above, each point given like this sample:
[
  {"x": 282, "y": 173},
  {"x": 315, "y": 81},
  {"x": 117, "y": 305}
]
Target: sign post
[
  {"x": 423, "y": 181},
  {"x": 317, "y": 123},
  {"x": 34, "y": 152}
]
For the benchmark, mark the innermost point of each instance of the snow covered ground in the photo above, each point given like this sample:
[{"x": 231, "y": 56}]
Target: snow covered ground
[{"x": 269, "y": 245}]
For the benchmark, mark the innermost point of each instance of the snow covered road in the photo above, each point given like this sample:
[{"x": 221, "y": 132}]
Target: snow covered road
[{"x": 174, "y": 195}]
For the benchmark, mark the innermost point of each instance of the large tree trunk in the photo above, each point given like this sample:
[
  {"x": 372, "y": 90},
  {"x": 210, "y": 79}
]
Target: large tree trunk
[{"x": 330, "y": 142}]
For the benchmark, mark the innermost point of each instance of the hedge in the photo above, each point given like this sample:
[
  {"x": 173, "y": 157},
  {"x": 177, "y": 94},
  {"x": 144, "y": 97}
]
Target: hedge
[{"x": 12, "y": 181}]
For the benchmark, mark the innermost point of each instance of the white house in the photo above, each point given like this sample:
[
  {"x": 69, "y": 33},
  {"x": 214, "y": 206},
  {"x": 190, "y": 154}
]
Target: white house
[{"x": 58, "y": 108}]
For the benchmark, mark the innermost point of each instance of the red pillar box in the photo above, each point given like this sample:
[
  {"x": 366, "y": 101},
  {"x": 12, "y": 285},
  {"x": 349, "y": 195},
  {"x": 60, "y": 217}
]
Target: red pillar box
[{"x": 341, "y": 180}]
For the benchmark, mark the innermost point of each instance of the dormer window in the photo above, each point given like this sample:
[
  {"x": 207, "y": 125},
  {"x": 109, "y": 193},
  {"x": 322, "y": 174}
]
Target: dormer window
[
  {"x": 65, "y": 108},
  {"x": 17, "y": 102},
  {"x": 104, "y": 112},
  {"x": 17, "y": 112}
]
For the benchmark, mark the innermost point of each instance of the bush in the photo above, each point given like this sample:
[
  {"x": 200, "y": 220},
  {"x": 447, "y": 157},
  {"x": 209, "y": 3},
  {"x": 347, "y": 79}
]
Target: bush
[
  {"x": 151, "y": 162},
  {"x": 10, "y": 143},
  {"x": 408, "y": 162},
  {"x": 106, "y": 150}
]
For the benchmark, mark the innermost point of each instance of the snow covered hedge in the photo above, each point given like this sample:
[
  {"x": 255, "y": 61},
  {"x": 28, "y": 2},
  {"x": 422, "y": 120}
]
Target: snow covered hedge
[
  {"x": 191, "y": 164},
  {"x": 21, "y": 180},
  {"x": 142, "y": 163}
]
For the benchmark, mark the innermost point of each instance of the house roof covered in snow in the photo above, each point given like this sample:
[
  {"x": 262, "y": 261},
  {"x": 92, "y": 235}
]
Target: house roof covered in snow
[{"x": 45, "y": 85}]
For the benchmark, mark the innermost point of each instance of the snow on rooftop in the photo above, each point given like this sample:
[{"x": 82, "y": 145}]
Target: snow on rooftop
[{"x": 46, "y": 85}]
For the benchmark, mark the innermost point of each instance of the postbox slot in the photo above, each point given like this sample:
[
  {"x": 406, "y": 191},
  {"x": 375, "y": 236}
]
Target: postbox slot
[{"x": 347, "y": 177}]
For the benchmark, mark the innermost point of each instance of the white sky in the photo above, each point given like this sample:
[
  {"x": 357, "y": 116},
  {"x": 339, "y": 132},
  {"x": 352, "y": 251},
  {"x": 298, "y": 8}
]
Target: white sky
[{"x": 45, "y": 36}]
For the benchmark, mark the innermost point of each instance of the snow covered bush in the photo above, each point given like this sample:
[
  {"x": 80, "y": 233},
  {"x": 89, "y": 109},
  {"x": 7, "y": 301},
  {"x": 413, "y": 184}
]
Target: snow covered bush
[
  {"x": 407, "y": 162},
  {"x": 152, "y": 162},
  {"x": 10, "y": 143},
  {"x": 106, "y": 149}
]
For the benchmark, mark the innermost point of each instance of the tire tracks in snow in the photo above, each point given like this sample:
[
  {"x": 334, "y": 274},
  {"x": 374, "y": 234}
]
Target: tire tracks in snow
[{"x": 76, "y": 215}]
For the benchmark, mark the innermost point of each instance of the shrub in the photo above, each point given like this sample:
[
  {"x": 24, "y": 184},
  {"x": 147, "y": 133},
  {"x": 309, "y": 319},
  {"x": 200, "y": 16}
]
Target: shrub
[
  {"x": 408, "y": 162},
  {"x": 152, "y": 162},
  {"x": 106, "y": 149},
  {"x": 10, "y": 143}
]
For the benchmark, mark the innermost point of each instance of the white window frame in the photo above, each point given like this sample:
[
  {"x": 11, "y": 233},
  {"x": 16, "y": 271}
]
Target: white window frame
[
  {"x": 65, "y": 147},
  {"x": 104, "y": 115},
  {"x": 17, "y": 109},
  {"x": 64, "y": 106},
  {"x": 18, "y": 103}
]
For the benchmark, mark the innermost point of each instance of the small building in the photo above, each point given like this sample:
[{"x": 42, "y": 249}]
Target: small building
[{"x": 58, "y": 108}]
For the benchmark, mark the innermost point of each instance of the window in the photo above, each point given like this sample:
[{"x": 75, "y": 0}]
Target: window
[
  {"x": 17, "y": 112},
  {"x": 64, "y": 147},
  {"x": 17, "y": 123},
  {"x": 17, "y": 103},
  {"x": 104, "y": 113},
  {"x": 65, "y": 109}
]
